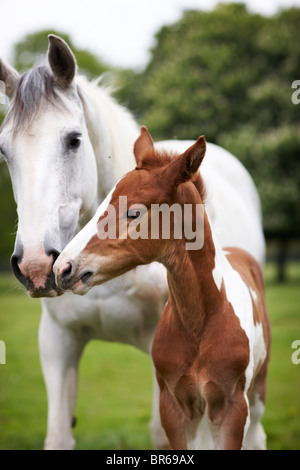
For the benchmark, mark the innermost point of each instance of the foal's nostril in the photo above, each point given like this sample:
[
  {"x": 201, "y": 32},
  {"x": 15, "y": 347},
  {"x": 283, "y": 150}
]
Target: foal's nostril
[
  {"x": 66, "y": 271},
  {"x": 85, "y": 278}
]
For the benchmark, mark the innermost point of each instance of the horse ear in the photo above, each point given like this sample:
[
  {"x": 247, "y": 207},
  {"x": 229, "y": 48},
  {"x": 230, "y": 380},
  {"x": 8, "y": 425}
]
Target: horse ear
[
  {"x": 10, "y": 77},
  {"x": 143, "y": 143},
  {"x": 186, "y": 165},
  {"x": 61, "y": 60}
]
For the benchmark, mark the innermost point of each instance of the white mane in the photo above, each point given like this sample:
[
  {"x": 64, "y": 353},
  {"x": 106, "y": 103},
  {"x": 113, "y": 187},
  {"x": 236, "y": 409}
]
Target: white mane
[{"x": 123, "y": 130}]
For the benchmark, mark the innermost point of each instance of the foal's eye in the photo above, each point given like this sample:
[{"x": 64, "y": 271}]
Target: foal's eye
[
  {"x": 74, "y": 141},
  {"x": 133, "y": 214}
]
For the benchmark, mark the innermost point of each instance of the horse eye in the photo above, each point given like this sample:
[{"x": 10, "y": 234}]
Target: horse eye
[
  {"x": 74, "y": 141},
  {"x": 2, "y": 154},
  {"x": 133, "y": 214}
]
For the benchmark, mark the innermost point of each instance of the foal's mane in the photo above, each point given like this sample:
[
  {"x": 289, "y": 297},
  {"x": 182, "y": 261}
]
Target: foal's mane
[{"x": 153, "y": 159}]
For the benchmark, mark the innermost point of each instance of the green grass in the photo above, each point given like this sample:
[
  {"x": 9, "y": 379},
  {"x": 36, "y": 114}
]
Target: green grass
[{"x": 115, "y": 386}]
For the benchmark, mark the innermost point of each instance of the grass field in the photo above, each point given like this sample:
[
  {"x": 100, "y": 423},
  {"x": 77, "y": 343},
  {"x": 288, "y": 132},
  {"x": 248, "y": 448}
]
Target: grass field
[{"x": 115, "y": 387}]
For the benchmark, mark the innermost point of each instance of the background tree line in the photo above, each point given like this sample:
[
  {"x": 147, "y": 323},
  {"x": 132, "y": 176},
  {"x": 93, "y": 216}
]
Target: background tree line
[{"x": 226, "y": 74}]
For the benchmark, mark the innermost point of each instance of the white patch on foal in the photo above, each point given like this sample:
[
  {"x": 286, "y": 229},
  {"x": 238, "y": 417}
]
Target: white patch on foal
[
  {"x": 243, "y": 309},
  {"x": 253, "y": 294},
  {"x": 79, "y": 242}
]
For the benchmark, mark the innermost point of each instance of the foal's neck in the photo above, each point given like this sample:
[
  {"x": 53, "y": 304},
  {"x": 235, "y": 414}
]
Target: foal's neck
[{"x": 195, "y": 292}]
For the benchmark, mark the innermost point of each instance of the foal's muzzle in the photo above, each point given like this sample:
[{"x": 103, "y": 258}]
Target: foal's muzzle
[{"x": 68, "y": 276}]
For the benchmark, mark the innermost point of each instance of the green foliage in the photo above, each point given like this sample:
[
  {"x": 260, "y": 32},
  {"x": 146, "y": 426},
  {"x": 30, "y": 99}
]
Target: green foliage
[
  {"x": 272, "y": 158},
  {"x": 214, "y": 71}
]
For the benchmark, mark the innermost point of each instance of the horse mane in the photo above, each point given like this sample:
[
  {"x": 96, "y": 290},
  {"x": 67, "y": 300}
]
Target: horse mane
[
  {"x": 152, "y": 158},
  {"x": 200, "y": 186},
  {"x": 34, "y": 88},
  {"x": 122, "y": 127}
]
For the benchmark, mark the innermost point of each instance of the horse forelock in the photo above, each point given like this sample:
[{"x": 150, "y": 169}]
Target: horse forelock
[
  {"x": 36, "y": 89},
  {"x": 153, "y": 159}
]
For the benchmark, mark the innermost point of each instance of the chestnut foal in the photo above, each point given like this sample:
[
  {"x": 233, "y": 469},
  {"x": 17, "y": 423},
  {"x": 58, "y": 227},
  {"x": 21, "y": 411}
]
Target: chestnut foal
[{"x": 211, "y": 346}]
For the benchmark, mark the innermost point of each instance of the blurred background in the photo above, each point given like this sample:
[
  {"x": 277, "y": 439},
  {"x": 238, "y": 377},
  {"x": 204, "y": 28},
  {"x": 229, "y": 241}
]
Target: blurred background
[{"x": 183, "y": 68}]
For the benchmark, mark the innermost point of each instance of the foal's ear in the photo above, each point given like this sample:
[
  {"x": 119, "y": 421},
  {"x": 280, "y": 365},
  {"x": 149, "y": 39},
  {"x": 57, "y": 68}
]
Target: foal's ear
[
  {"x": 61, "y": 60},
  {"x": 186, "y": 165},
  {"x": 143, "y": 143},
  {"x": 10, "y": 77}
]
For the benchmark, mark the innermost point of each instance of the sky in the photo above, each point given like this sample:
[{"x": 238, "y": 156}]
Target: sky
[{"x": 120, "y": 32}]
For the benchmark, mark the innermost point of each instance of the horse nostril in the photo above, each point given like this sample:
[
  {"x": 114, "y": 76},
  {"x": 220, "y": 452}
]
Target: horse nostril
[
  {"x": 34, "y": 269},
  {"x": 85, "y": 278},
  {"x": 55, "y": 254},
  {"x": 14, "y": 262},
  {"x": 66, "y": 271}
]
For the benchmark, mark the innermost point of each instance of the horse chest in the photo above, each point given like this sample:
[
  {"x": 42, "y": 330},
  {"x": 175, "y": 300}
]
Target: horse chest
[
  {"x": 176, "y": 374},
  {"x": 120, "y": 310}
]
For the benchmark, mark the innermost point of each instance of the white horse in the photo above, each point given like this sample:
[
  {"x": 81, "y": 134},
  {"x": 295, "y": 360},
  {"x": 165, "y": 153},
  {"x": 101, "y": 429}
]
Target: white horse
[{"x": 66, "y": 142}]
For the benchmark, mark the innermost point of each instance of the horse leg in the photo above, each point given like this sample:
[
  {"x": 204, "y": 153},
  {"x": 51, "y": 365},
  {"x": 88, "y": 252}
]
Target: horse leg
[
  {"x": 159, "y": 438},
  {"x": 172, "y": 419},
  {"x": 60, "y": 351},
  {"x": 228, "y": 418},
  {"x": 256, "y": 438}
]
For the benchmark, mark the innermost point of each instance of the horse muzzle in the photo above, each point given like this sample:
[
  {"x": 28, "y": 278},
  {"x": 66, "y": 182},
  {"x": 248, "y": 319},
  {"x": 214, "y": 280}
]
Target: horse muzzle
[
  {"x": 69, "y": 276},
  {"x": 33, "y": 267}
]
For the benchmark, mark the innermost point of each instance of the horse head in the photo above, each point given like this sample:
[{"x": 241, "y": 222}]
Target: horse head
[{"x": 46, "y": 145}]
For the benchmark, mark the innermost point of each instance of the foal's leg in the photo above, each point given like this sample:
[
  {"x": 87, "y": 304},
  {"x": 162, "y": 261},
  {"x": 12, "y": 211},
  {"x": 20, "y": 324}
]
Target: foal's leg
[
  {"x": 228, "y": 417},
  {"x": 235, "y": 423},
  {"x": 159, "y": 438},
  {"x": 60, "y": 350},
  {"x": 256, "y": 438},
  {"x": 172, "y": 419}
]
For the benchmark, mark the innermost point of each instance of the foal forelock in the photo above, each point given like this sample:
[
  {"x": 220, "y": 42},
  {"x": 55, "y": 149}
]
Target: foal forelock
[{"x": 36, "y": 89}]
